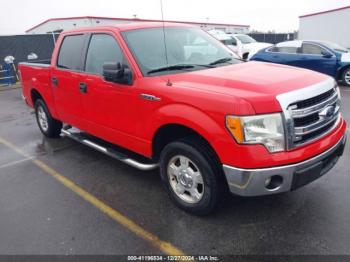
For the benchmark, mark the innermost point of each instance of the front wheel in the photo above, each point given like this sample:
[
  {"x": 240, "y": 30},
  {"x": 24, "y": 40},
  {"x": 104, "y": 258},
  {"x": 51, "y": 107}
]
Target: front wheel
[
  {"x": 49, "y": 126},
  {"x": 190, "y": 176},
  {"x": 346, "y": 77}
]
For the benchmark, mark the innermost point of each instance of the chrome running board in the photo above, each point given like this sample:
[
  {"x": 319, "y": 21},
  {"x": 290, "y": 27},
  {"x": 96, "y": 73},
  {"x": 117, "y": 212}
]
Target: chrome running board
[{"x": 79, "y": 137}]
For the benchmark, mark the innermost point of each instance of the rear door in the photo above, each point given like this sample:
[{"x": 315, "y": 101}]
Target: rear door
[{"x": 65, "y": 78}]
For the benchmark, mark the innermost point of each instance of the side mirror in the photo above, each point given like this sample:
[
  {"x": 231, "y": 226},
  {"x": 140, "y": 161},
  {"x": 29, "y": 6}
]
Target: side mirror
[
  {"x": 326, "y": 54},
  {"x": 117, "y": 73}
]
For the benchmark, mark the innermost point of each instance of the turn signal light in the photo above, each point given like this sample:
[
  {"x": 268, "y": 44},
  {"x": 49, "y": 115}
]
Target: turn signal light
[{"x": 234, "y": 125}]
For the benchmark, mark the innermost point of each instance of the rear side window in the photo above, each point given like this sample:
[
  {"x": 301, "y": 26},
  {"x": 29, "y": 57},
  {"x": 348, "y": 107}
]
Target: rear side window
[
  {"x": 284, "y": 49},
  {"x": 70, "y": 52},
  {"x": 102, "y": 48},
  {"x": 288, "y": 49}
]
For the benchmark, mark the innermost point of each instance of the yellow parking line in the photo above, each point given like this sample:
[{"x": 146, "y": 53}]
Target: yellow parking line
[{"x": 164, "y": 246}]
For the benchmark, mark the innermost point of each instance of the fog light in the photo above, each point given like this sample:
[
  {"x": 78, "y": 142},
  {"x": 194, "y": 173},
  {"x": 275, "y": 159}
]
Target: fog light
[{"x": 273, "y": 182}]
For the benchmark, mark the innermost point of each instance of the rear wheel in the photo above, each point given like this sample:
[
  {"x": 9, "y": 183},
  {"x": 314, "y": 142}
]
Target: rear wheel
[
  {"x": 346, "y": 77},
  {"x": 49, "y": 126},
  {"x": 190, "y": 176}
]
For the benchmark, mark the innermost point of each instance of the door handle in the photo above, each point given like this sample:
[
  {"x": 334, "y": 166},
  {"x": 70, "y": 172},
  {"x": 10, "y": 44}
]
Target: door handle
[
  {"x": 150, "y": 97},
  {"x": 83, "y": 87},
  {"x": 54, "y": 81}
]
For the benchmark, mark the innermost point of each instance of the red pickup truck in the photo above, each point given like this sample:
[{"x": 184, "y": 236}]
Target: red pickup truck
[{"x": 171, "y": 96}]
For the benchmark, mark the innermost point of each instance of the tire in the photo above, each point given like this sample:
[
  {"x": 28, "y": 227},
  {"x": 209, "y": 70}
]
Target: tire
[
  {"x": 206, "y": 191},
  {"x": 345, "y": 78},
  {"x": 49, "y": 126}
]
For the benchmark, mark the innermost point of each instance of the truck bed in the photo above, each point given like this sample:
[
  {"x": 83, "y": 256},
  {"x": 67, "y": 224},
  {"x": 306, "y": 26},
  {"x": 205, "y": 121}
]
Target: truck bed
[
  {"x": 37, "y": 75},
  {"x": 39, "y": 63}
]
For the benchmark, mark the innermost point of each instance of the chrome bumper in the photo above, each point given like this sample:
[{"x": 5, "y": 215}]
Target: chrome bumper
[{"x": 252, "y": 182}]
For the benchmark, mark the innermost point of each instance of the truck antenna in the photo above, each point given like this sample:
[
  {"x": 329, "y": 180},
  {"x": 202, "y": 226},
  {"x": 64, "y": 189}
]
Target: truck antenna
[{"x": 165, "y": 47}]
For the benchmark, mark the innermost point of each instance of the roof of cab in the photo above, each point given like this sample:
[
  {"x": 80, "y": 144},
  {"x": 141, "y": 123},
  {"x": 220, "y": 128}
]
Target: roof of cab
[{"x": 128, "y": 26}]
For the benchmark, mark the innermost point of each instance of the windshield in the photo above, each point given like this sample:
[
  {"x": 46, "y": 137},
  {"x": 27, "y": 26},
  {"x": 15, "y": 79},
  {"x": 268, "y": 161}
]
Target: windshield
[
  {"x": 335, "y": 47},
  {"x": 184, "y": 46},
  {"x": 246, "y": 39}
]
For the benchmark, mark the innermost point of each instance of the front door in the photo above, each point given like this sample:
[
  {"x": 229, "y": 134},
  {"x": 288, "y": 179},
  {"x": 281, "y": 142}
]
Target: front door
[
  {"x": 110, "y": 108},
  {"x": 315, "y": 57}
]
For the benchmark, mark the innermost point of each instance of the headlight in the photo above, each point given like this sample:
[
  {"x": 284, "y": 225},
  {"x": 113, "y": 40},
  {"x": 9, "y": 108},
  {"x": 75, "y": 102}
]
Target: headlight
[
  {"x": 337, "y": 89},
  {"x": 260, "y": 129}
]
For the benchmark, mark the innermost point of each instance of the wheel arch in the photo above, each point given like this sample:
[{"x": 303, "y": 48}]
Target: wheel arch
[
  {"x": 341, "y": 71},
  {"x": 176, "y": 121},
  {"x": 168, "y": 133},
  {"x": 35, "y": 95}
]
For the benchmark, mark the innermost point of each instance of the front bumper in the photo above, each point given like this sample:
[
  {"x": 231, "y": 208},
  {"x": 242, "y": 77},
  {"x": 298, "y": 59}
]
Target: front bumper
[{"x": 253, "y": 182}]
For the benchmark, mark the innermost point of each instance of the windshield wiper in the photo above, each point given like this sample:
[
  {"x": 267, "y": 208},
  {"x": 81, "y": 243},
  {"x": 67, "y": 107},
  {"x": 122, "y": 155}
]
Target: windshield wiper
[
  {"x": 170, "y": 68},
  {"x": 221, "y": 61}
]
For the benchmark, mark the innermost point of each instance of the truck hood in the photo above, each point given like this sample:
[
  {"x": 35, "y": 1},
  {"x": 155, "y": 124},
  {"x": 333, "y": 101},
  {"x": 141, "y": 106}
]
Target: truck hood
[{"x": 256, "y": 82}]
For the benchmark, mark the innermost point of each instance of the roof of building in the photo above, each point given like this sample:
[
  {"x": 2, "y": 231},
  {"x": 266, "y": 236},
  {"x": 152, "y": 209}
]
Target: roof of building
[
  {"x": 131, "y": 20},
  {"x": 127, "y": 26},
  {"x": 325, "y": 12}
]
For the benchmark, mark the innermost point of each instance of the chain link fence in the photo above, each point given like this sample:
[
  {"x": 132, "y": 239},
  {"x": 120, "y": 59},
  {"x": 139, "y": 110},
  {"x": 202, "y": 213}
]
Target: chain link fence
[
  {"x": 273, "y": 38},
  {"x": 19, "y": 47}
]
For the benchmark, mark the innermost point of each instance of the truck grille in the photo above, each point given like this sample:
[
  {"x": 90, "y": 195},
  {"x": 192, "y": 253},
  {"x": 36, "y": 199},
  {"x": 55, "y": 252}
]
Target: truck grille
[
  {"x": 313, "y": 117},
  {"x": 310, "y": 113},
  {"x": 315, "y": 100}
]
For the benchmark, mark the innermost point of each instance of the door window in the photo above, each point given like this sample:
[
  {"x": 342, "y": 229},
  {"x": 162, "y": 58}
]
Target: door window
[
  {"x": 102, "y": 48},
  {"x": 310, "y": 49},
  {"x": 70, "y": 53}
]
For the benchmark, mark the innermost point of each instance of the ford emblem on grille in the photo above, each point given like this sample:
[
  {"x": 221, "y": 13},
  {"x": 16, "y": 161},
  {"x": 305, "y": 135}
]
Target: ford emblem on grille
[{"x": 328, "y": 112}]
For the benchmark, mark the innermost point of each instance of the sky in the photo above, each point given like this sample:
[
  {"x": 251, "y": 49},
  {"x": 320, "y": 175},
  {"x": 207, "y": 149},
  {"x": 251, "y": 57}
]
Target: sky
[{"x": 264, "y": 15}]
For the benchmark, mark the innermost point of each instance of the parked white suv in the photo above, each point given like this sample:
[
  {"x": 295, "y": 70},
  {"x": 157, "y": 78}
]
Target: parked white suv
[
  {"x": 226, "y": 39},
  {"x": 242, "y": 45},
  {"x": 246, "y": 46}
]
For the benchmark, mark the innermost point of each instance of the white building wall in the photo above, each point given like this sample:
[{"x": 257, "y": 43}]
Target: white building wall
[
  {"x": 68, "y": 24},
  {"x": 333, "y": 26}
]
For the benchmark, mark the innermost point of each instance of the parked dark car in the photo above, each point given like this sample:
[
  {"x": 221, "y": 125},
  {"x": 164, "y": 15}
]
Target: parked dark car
[{"x": 325, "y": 57}]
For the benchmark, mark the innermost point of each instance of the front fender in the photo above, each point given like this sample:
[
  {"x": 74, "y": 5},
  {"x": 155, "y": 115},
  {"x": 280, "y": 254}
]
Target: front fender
[{"x": 213, "y": 130}]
